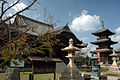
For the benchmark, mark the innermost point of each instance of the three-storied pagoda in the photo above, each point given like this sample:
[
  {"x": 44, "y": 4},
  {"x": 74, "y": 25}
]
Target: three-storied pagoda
[{"x": 104, "y": 43}]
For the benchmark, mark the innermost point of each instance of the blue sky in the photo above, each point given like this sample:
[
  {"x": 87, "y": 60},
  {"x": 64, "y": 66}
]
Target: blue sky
[{"x": 82, "y": 16}]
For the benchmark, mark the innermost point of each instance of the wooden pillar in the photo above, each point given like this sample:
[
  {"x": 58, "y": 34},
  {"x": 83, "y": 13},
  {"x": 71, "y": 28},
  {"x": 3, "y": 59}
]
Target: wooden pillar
[
  {"x": 32, "y": 76},
  {"x": 54, "y": 71},
  {"x": 54, "y": 76}
]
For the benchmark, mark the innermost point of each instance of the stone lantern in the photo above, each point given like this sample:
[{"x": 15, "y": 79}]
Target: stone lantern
[
  {"x": 95, "y": 67},
  {"x": 114, "y": 67},
  {"x": 71, "y": 72}
]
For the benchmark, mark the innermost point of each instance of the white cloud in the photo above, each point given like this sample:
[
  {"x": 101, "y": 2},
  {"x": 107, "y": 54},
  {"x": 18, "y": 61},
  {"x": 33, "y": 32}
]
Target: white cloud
[
  {"x": 88, "y": 49},
  {"x": 84, "y": 38},
  {"x": 12, "y": 19},
  {"x": 19, "y": 6},
  {"x": 116, "y": 38},
  {"x": 85, "y": 22},
  {"x": 117, "y": 30},
  {"x": 91, "y": 47}
]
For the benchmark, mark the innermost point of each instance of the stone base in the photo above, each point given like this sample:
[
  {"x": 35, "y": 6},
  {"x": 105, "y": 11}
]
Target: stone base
[
  {"x": 114, "y": 69},
  {"x": 71, "y": 74}
]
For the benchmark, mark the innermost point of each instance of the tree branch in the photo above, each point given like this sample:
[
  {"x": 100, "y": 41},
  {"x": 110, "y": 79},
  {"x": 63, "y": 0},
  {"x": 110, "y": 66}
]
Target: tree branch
[
  {"x": 3, "y": 21},
  {"x": 2, "y": 9}
]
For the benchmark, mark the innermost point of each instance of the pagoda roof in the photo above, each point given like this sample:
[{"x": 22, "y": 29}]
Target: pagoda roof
[
  {"x": 102, "y": 50},
  {"x": 103, "y": 41},
  {"x": 102, "y": 31}
]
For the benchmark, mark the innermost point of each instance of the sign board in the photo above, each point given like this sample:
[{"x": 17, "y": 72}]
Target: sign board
[
  {"x": 16, "y": 63},
  {"x": 98, "y": 55}
]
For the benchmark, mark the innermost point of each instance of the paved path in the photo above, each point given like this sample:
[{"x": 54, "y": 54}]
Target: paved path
[{"x": 113, "y": 78}]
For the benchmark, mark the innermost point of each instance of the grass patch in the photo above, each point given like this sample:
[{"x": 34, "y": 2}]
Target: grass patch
[
  {"x": 25, "y": 76},
  {"x": 111, "y": 74},
  {"x": 1, "y": 76},
  {"x": 94, "y": 79},
  {"x": 84, "y": 71}
]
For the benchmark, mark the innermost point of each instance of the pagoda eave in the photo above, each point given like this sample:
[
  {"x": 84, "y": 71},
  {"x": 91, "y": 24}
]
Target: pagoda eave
[
  {"x": 102, "y": 50},
  {"x": 98, "y": 34},
  {"x": 98, "y": 42},
  {"x": 111, "y": 43}
]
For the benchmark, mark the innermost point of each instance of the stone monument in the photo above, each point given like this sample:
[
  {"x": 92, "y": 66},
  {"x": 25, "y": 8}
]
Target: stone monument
[
  {"x": 71, "y": 72},
  {"x": 114, "y": 67}
]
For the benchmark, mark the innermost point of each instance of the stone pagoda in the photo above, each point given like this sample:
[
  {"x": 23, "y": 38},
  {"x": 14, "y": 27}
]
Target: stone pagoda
[
  {"x": 104, "y": 44},
  {"x": 71, "y": 72}
]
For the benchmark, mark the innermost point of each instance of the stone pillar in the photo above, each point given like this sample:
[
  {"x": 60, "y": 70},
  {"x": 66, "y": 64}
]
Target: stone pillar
[
  {"x": 12, "y": 74},
  {"x": 71, "y": 72}
]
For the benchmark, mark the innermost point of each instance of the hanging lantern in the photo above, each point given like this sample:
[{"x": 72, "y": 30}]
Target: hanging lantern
[{"x": 98, "y": 55}]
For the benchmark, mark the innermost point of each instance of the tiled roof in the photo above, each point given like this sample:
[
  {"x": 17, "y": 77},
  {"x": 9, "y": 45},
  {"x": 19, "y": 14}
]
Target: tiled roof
[
  {"x": 97, "y": 33},
  {"x": 32, "y": 26},
  {"x": 65, "y": 29},
  {"x": 37, "y": 28},
  {"x": 27, "y": 18},
  {"x": 61, "y": 29},
  {"x": 35, "y": 58}
]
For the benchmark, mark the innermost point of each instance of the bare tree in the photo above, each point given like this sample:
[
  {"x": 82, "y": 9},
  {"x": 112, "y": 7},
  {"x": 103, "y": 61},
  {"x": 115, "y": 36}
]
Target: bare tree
[
  {"x": 4, "y": 10},
  {"x": 5, "y": 7}
]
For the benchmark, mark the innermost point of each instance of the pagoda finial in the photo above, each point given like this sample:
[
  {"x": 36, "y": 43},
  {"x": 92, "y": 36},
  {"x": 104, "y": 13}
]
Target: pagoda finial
[
  {"x": 102, "y": 23},
  {"x": 66, "y": 24}
]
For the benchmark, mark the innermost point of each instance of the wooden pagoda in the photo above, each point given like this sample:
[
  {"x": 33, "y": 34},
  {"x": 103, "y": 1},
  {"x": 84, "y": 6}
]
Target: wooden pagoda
[{"x": 104, "y": 44}]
